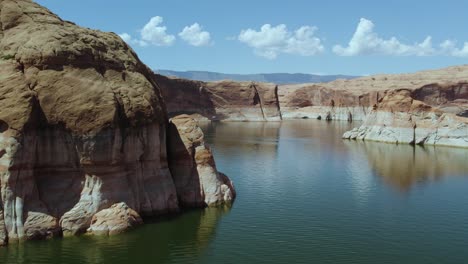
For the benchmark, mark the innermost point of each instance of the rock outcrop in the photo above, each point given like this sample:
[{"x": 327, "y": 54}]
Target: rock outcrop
[
  {"x": 400, "y": 119},
  {"x": 193, "y": 168},
  {"x": 83, "y": 128},
  {"x": 114, "y": 220}
]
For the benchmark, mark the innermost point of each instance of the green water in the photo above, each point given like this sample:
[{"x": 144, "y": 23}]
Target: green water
[{"x": 304, "y": 196}]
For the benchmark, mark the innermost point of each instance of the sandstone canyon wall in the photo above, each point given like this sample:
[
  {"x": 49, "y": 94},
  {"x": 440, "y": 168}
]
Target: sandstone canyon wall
[
  {"x": 83, "y": 133},
  {"x": 428, "y": 107},
  {"x": 223, "y": 100}
]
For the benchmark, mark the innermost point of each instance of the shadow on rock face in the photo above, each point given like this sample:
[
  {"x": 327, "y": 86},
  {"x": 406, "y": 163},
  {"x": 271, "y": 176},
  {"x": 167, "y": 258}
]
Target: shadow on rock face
[
  {"x": 193, "y": 169},
  {"x": 3, "y": 126},
  {"x": 183, "y": 170}
]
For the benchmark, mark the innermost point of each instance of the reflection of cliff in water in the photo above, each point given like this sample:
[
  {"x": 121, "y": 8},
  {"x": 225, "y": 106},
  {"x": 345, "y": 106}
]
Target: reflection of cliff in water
[
  {"x": 243, "y": 136},
  {"x": 268, "y": 135},
  {"x": 180, "y": 239},
  {"x": 403, "y": 166}
]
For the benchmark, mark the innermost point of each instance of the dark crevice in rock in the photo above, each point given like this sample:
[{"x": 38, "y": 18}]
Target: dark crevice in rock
[
  {"x": 413, "y": 142},
  {"x": 278, "y": 102},
  {"x": 258, "y": 100},
  {"x": 21, "y": 67},
  {"x": 3, "y": 126},
  {"x": 463, "y": 114},
  {"x": 37, "y": 118}
]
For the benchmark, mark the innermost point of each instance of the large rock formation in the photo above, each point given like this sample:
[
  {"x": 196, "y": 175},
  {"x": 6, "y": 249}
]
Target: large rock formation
[
  {"x": 193, "y": 168},
  {"x": 82, "y": 127},
  {"x": 318, "y": 101},
  {"x": 445, "y": 89},
  {"x": 398, "y": 118},
  {"x": 223, "y": 100},
  {"x": 428, "y": 107}
]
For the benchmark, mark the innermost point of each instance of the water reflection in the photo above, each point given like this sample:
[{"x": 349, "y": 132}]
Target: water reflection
[
  {"x": 243, "y": 136},
  {"x": 403, "y": 166},
  {"x": 179, "y": 239}
]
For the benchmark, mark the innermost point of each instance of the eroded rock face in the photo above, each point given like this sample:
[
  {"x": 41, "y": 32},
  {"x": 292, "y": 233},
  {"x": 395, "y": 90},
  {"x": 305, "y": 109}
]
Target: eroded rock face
[
  {"x": 444, "y": 89},
  {"x": 82, "y": 127},
  {"x": 114, "y": 220},
  {"x": 192, "y": 164},
  {"x": 223, "y": 100},
  {"x": 404, "y": 108},
  {"x": 317, "y": 101},
  {"x": 400, "y": 119}
]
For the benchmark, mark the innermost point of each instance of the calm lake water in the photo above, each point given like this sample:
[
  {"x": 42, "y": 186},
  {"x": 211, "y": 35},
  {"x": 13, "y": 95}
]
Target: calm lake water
[{"x": 304, "y": 196}]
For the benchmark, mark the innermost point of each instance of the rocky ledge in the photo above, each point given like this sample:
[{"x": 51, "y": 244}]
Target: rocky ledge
[
  {"x": 400, "y": 119},
  {"x": 85, "y": 141}
]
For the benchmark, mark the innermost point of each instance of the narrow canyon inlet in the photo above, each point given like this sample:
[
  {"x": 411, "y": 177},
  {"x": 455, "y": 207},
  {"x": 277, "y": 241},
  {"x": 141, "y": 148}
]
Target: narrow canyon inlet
[{"x": 304, "y": 195}]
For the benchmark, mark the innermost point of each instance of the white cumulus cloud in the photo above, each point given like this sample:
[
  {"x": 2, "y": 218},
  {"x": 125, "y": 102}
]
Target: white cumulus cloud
[
  {"x": 449, "y": 48},
  {"x": 155, "y": 33},
  {"x": 366, "y": 42},
  {"x": 195, "y": 36},
  {"x": 270, "y": 41}
]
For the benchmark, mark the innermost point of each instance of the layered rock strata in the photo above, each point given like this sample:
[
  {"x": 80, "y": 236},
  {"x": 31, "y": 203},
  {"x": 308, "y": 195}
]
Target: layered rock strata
[
  {"x": 400, "y": 119},
  {"x": 444, "y": 89},
  {"x": 223, "y": 100},
  {"x": 83, "y": 130},
  {"x": 437, "y": 117}
]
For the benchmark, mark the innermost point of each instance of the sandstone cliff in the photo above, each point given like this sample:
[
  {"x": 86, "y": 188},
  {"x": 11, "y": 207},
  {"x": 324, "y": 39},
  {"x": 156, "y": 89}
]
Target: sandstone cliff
[
  {"x": 429, "y": 107},
  {"x": 223, "y": 100},
  {"x": 83, "y": 130},
  {"x": 398, "y": 118},
  {"x": 444, "y": 89}
]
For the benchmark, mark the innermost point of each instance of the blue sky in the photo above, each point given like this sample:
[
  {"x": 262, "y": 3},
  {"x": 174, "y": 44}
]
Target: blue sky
[{"x": 326, "y": 37}]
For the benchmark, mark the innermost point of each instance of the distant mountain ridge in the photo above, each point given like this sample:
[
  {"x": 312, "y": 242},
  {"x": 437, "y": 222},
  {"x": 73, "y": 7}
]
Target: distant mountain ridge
[{"x": 278, "y": 78}]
